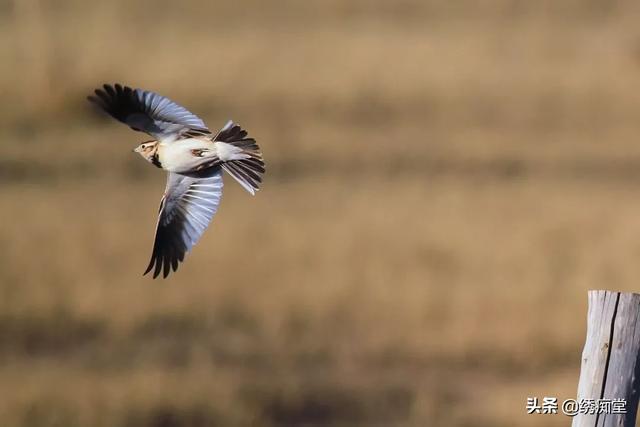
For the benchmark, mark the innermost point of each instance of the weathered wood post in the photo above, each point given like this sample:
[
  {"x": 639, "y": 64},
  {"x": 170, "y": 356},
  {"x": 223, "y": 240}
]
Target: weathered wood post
[{"x": 611, "y": 357}]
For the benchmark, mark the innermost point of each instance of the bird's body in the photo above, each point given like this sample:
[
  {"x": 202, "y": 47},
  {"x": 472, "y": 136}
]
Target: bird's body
[
  {"x": 194, "y": 159},
  {"x": 184, "y": 155}
]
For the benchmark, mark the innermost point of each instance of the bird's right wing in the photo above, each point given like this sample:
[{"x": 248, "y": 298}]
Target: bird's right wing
[
  {"x": 187, "y": 208},
  {"x": 147, "y": 111}
]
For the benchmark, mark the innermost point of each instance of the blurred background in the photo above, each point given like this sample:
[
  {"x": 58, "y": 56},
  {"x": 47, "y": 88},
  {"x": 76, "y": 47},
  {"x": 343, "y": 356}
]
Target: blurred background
[{"x": 445, "y": 182}]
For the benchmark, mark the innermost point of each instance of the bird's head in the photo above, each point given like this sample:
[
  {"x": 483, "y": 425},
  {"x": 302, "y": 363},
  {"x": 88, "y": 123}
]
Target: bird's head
[{"x": 147, "y": 149}]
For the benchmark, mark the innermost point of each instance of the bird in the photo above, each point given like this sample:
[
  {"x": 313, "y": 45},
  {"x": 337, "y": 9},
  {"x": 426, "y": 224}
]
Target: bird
[{"x": 194, "y": 159}]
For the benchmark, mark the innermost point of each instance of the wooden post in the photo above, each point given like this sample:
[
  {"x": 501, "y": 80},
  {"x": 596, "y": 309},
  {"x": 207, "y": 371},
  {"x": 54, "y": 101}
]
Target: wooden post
[{"x": 611, "y": 357}]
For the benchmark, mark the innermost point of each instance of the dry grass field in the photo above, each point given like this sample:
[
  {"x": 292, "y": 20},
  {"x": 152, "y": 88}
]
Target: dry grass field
[{"x": 445, "y": 182}]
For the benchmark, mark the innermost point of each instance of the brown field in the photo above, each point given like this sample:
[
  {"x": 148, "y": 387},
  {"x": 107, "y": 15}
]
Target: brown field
[{"x": 445, "y": 182}]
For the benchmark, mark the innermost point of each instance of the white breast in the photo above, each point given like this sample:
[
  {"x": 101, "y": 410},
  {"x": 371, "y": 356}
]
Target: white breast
[{"x": 178, "y": 157}]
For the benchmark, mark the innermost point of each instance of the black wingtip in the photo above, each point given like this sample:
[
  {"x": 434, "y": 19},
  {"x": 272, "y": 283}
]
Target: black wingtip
[
  {"x": 149, "y": 267},
  {"x": 164, "y": 266},
  {"x": 158, "y": 268},
  {"x": 116, "y": 100},
  {"x": 153, "y": 276}
]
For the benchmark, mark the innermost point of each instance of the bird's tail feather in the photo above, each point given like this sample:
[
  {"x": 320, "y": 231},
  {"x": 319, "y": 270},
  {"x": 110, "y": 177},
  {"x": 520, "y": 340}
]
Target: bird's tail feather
[{"x": 246, "y": 165}]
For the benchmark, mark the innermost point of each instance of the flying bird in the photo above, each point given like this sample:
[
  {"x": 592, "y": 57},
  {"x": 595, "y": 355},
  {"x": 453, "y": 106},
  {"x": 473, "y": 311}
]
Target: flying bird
[{"x": 194, "y": 159}]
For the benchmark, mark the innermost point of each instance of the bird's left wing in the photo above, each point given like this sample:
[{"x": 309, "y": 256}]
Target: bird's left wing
[
  {"x": 187, "y": 208},
  {"x": 146, "y": 111}
]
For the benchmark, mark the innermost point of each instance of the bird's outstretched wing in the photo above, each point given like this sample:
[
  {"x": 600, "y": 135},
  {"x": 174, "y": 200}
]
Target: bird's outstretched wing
[
  {"x": 189, "y": 204},
  {"x": 146, "y": 111}
]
